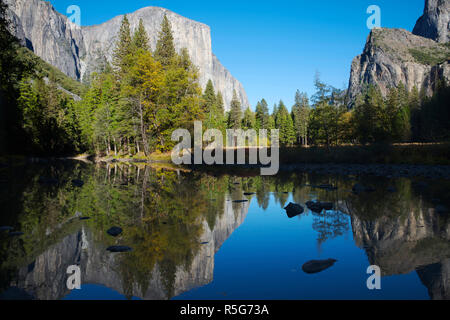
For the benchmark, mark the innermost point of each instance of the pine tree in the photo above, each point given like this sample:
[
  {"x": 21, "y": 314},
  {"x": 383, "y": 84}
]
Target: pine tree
[
  {"x": 262, "y": 115},
  {"x": 209, "y": 106},
  {"x": 235, "y": 116},
  {"x": 165, "y": 48},
  {"x": 248, "y": 121},
  {"x": 284, "y": 123},
  {"x": 140, "y": 38},
  {"x": 123, "y": 50},
  {"x": 209, "y": 98},
  {"x": 300, "y": 115},
  {"x": 220, "y": 104}
]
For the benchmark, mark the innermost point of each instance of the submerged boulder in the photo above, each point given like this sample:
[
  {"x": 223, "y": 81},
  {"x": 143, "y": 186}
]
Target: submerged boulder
[
  {"x": 114, "y": 231},
  {"x": 294, "y": 209},
  {"x": 316, "y": 266},
  {"x": 116, "y": 249},
  {"x": 318, "y": 206}
]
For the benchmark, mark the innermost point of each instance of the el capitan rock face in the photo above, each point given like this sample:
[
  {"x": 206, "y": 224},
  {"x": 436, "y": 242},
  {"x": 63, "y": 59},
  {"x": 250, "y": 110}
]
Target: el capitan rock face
[
  {"x": 77, "y": 51},
  {"x": 435, "y": 22}
]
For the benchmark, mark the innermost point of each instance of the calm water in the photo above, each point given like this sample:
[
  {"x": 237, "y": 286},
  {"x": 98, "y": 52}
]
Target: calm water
[{"x": 191, "y": 240}]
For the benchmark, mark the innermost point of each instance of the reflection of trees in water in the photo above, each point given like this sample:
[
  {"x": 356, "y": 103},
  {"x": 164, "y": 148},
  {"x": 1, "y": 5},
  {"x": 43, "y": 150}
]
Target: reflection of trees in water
[
  {"x": 160, "y": 211},
  {"x": 329, "y": 225}
]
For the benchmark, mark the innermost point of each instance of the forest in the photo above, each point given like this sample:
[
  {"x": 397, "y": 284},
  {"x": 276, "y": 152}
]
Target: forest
[{"x": 130, "y": 107}]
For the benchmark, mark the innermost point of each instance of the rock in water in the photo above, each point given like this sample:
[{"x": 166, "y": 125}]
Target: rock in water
[
  {"x": 249, "y": 193},
  {"x": 114, "y": 231},
  {"x": 316, "y": 266},
  {"x": 116, "y": 249},
  {"x": 240, "y": 201},
  {"x": 293, "y": 210},
  {"x": 319, "y": 206}
]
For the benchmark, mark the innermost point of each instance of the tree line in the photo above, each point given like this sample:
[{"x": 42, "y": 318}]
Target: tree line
[
  {"x": 132, "y": 105},
  {"x": 325, "y": 119}
]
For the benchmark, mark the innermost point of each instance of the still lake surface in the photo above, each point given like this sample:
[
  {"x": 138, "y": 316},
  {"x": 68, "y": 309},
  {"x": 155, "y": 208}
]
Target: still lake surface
[{"x": 192, "y": 236}]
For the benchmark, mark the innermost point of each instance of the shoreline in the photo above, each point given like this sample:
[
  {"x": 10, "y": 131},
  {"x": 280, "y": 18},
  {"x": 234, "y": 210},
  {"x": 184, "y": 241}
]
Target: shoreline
[{"x": 389, "y": 171}]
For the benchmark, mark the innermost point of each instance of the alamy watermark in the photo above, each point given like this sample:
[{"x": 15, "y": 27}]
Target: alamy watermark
[
  {"x": 237, "y": 141},
  {"x": 374, "y": 281},
  {"x": 75, "y": 14},
  {"x": 74, "y": 280},
  {"x": 374, "y": 21}
]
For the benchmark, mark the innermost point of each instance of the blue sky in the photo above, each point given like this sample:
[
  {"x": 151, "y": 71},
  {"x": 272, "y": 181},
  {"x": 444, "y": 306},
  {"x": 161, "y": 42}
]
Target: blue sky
[{"x": 275, "y": 47}]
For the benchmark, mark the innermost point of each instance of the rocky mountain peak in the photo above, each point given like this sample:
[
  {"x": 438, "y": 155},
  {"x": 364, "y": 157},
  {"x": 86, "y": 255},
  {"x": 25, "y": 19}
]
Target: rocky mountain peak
[
  {"x": 78, "y": 51},
  {"x": 435, "y": 22}
]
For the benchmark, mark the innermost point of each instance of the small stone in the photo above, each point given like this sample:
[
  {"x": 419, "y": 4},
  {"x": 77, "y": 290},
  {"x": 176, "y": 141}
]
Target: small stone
[
  {"x": 294, "y": 209},
  {"x": 116, "y": 249},
  {"x": 240, "y": 201},
  {"x": 316, "y": 266},
  {"x": 114, "y": 231}
]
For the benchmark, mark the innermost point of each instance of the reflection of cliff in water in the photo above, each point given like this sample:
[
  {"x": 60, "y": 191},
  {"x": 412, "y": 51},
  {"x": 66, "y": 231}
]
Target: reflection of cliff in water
[
  {"x": 417, "y": 240},
  {"x": 45, "y": 278},
  {"x": 174, "y": 221}
]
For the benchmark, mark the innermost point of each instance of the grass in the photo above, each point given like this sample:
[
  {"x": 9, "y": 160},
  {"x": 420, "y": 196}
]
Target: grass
[{"x": 430, "y": 56}]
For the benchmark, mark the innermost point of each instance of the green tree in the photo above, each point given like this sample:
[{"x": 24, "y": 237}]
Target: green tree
[
  {"x": 283, "y": 122},
  {"x": 123, "y": 49},
  {"x": 300, "y": 115},
  {"x": 140, "y": 38},
  {"x": 235, "y": 115},
  {"x": 370, "y": 117},
  {"x": 262, "y": 115},
  {"x": 248, "y": 121},
  {"x": 165, "y": 48}
]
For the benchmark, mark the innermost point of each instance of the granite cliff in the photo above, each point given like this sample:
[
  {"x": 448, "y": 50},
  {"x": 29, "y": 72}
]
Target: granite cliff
[
  {"x": 77, "y": 51},
  {"x": 393, "y": 56}
]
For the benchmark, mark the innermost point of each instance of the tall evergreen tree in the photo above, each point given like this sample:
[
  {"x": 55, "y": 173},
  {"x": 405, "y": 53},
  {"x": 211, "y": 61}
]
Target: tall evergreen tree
[
  {"x": 140, "y": 38},
  {"x": 165, "y": 47},
  {"x": 283, "y": 122},
  {"x": 262, "y": 115},
  {"x": 123, "y": 50},
  {"x": 235, "y": 115},
  {"x": 300, "y": 115},
  {"x": 248, "y": 121}
]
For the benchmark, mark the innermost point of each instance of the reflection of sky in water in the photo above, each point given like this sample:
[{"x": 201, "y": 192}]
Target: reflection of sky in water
[
  {"x": 263, "y": 258},
  {"x": 261, "y": 250}
]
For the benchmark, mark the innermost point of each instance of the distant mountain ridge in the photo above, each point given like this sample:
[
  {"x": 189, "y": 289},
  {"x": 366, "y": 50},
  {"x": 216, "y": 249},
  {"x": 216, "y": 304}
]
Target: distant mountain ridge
[{"x": 77, "y": 51}]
